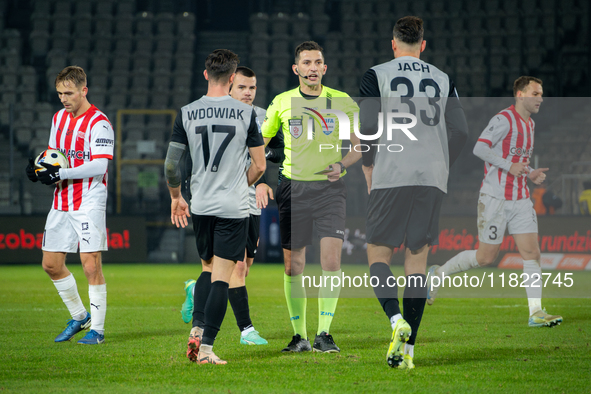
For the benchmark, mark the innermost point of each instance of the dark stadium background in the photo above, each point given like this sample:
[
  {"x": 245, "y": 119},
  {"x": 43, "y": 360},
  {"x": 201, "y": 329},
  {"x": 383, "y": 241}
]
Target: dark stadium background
[{"x": 149, "y": 55}]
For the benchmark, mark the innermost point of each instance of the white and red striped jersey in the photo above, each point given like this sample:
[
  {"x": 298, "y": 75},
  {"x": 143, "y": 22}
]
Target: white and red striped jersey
[
  {"x": 511, "y": 138},
  {"x": 82, "y": 139}
]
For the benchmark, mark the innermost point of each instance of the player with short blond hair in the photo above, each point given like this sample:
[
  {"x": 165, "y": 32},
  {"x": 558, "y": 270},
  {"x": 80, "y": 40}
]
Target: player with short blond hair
[
  {"x": 506, "y": 145},
  {"x": 77, "y": 217}
]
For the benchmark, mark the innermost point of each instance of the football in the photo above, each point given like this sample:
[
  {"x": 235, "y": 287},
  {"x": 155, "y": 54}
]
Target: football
[{"x": 52, "y": 157}]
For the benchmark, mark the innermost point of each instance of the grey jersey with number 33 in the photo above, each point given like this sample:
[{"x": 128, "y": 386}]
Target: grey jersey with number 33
[
  {"x": 218, "y": 131},
  {"x": 411, "y": 85}
]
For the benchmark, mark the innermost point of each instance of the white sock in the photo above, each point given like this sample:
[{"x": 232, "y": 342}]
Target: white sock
[
  {"x": 207, "y": 349},
  {"x": 409, "y": 349},
  {"x": 98, "y": 306},
  {"x": 247, "y": 331},
  {"x": 394, "y": 319},
  {"x": 68, "y": 290},
  {"x": 534, "y": 294},
  {"x": 459, "y": 263}
]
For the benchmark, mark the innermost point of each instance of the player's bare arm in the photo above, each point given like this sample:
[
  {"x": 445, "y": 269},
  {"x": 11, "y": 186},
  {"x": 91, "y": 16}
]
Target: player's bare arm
[
  {"x": 367, "y": 172},
  {"x": 264, "y": 192},
  {"x": 258, "y": 164},
  {"x": 179, "y": 209}
]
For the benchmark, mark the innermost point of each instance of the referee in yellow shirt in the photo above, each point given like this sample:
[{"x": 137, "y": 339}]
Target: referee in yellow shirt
[{"x": 311, "y": 192}]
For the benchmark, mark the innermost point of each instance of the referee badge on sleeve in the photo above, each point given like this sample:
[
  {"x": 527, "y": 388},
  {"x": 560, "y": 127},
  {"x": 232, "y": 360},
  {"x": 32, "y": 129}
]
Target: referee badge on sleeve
[{"x": 296, "y": 128}]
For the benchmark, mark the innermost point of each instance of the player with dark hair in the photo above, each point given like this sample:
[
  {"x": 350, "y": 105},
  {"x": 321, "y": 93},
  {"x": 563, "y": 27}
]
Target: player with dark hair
[
  {"x": 221, "y": 133},
  {"x": 407, "y": 187},
  {"x": 78, "y": 215},
  {"x": 243, "y": 89},
  {"x": 506, "y": 145},
  {"x": 311, "y": 192}
]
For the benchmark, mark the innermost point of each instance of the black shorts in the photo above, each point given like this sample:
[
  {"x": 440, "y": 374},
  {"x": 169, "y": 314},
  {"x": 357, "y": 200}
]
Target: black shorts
[
  {"x": 408, "y": 214},
  {"x": 221, "y": 237},
  {"x": 252, "y": 240},
  {"x": 305, "y": 205}
]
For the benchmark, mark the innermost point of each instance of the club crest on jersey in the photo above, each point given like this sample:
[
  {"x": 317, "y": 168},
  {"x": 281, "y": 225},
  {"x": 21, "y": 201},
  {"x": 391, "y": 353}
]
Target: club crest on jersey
[
  {"x": 81, "y": 134},
  {"x": 296, "y": 127}
]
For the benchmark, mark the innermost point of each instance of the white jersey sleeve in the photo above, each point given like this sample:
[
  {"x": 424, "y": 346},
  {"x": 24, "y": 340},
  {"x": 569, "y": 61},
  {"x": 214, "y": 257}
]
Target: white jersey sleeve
[{"x": 102, "y": 140}]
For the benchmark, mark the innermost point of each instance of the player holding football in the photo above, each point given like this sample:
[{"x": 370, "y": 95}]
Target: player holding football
[
  {"x": 407, "y": 187},
  {"x": 506, "y": 146},
  {"x": 77, "y": 217},
  {"x": 306, "y": 198},
  {"x": 220, "y": 132},
  {"x": 243, "y": 89}
]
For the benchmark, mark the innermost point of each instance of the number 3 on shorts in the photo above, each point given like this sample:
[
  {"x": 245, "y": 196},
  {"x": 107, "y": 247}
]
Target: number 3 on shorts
[{"x": 493, "y": 230}]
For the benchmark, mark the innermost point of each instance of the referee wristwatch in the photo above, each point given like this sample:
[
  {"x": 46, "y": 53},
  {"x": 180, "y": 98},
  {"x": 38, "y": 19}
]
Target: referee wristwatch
[{"x": 342, "y": 166}]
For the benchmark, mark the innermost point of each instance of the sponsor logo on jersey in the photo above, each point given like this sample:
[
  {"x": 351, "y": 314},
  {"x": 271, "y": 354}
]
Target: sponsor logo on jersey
[
  {"x": 76, "y": 154},
  {"x": 104, "y": 142},
  {"x": 521, "y": 151},
  {"x": 296, "y": 127}
]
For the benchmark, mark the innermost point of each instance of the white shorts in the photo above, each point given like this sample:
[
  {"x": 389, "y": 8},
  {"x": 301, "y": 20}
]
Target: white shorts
[
  {"x": 65, "y": 230},
  {"x": 495, "y": 215}
]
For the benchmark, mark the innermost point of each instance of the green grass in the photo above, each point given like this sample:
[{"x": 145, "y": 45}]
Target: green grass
[{"x": 464, "y": 345}]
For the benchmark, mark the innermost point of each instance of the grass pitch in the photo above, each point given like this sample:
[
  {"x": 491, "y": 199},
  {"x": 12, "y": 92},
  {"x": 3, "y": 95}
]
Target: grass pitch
[{"x": 464, "y": 345}]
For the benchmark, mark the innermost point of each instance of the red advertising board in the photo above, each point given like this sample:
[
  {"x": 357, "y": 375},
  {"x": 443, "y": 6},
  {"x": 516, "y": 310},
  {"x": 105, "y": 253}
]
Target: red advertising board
[{"x": 21, "y": 238}]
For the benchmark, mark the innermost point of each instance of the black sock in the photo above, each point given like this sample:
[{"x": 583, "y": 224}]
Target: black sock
[
  {"x": 239, "y": 300},
  {"x": 387, "y": 296},
  {"x": 415, "y": 296},
  {"x": 215, "y": 310},
  {"x": 200, "y": 294}
]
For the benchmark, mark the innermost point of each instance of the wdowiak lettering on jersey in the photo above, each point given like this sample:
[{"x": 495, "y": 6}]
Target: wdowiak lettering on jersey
[
  {"x": 345, "y": 129},
  {"x": 211, "y": 112}
]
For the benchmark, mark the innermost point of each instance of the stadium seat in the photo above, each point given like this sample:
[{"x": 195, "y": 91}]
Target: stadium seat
[
  {"x": 138, "y": 98},
  {"x": 142, "y": 61},
  {"x": 78, "y": 58},
  {"x": 123, "y": 46},
  {"x": 143, "y": 23},
  {"x": 62, "y": 7},
  {"x": 259, "y": 63},
  {"x": 185, "y": 24},
  {"x": 104, "y": 7},
  {"x": 161, "y": 79},
  {"x": 143, "y": 43},
  {"x": 300, "y": 26},
  {"x": 181, "y": 96},
  {"x": 280, "y": 63},
  {"x": 279, "y": 24},
  {"x": 41, "y": 22},
  {"x": 125, "y": 8},
  {"x": 116, "y": 99},
  {"x": 42, "y": 7},
  {"x": 349, "y": 27},
  {"x": 280, "y": 45},
  {"x": 119, "y": 79},
  {"x": 183, "y": 61},
  {"x": 140, "y": 80},
  {"x": 163, "y": 62},
  {"x": 103, "y": 24},
  {"x": 123, "y": 25},
  {"x": 259, "y": 23},
  {"x": 103, "y": 42},
  {"x": 165, "y": 23},
  {"x": 165, "y": 45},
  {"x": 83, "y": 8},
  {"x": 83, "y": 25},
  {"x": 320, "y": 25}
]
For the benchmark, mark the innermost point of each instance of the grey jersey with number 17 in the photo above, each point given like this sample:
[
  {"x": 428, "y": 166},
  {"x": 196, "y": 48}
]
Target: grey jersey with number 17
[
  {"x": 408, "y": 84},
  {"x": 218, "y": 131},
  {"x": 252, "y": 198}
]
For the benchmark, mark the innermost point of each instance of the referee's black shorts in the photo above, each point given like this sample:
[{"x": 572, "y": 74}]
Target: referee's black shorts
[
  {"x": 304, "y": 205},
  {"x": 225, "y": 238},
  {"x": 252, "y": 241},
  {"x": 408, "y": 214}
]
